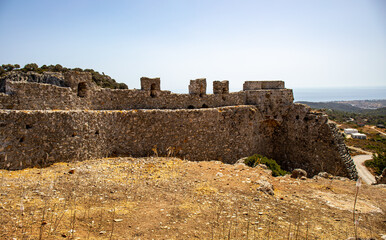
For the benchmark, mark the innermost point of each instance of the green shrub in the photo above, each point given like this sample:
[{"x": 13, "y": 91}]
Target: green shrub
[
  {"x": 257, "y": 159},
  {"x": 378, "y": 163},
  {"x": 2, "y": 70},
  {"x": 8, "y": 67},
  {"x": 31, "y": 67}
]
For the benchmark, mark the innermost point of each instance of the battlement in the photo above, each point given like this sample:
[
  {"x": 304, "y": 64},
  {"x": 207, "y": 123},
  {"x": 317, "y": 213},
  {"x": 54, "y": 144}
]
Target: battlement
[{"x": 76, "y": 90}]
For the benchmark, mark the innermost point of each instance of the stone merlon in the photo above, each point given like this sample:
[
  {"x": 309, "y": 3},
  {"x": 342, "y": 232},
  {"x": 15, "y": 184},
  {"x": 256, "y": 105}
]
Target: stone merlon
[
  {"x": 198, "y": 87},
  {"x": 257, "y": 85}
]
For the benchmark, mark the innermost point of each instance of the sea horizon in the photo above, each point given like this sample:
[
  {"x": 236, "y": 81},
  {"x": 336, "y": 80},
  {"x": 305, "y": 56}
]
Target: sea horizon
[
  {"x": 326, "y": 94},
  {"x": 339, "y": 94}
]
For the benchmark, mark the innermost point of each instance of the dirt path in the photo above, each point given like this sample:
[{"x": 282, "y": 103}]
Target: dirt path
[
  {"x": 366, "y": 176},
  {"x": 373, "y": 127},
  {"x": 361, "y": 150}
]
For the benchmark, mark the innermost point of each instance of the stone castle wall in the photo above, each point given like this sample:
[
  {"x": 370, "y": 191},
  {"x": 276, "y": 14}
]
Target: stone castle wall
[
  {"x": 42, "y": 123},
  {"x": 82, "y": 93},
  {"x": 215, "y": 133},
  {"x": 313, "y": 142}
]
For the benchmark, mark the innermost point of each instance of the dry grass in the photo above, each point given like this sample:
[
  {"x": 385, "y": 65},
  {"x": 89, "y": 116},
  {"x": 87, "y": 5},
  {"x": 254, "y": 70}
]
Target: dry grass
[{"x": 168, "y": 198}]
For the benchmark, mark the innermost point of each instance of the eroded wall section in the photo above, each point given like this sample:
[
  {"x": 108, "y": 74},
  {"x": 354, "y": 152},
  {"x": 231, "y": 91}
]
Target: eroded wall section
[{"x": 308, "y": 141}]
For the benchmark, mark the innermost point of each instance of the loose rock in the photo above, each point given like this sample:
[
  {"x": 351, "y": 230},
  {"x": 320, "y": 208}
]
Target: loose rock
[
  {"x": 298, "y": 173},
  {"x": 265, "y": 187},
  {"x": 325, "y": 175}
]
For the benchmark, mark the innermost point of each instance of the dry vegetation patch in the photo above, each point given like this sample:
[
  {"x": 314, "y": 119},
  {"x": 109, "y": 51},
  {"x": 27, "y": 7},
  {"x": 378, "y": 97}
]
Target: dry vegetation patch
[{"x": 168, "y": 198}]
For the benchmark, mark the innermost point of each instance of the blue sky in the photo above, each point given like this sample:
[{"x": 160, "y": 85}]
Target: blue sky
[{"x": 319, "y": 43}]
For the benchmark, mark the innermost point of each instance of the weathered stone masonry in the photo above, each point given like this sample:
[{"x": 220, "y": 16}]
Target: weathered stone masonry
[{"x": 62, "y": 117}]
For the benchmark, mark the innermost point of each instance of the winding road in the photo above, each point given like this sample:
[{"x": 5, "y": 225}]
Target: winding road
[{"x": 359, "y": 160}]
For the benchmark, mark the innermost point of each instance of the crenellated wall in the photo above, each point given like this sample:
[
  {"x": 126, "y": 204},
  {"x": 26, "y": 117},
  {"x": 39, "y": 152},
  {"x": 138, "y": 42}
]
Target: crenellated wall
[
  {"x": 43, "y": 123},
  {"x": 82, "y": 93}
]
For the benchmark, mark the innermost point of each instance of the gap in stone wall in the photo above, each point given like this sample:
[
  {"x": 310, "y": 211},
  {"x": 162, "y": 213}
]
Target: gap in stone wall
[{"x": 82, "y": 89}]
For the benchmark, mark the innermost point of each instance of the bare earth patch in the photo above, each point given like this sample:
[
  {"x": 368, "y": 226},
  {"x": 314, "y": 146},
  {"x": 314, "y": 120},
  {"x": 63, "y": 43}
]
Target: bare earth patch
[{"x": 169, "y": 198}]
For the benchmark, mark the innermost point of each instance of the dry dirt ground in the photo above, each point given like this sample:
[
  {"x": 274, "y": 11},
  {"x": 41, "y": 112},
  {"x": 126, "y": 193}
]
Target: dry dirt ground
[{"x": 169, "y": 198}]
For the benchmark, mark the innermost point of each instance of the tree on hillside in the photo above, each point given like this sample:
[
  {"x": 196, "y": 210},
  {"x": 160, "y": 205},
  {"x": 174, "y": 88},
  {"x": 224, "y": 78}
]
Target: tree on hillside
[
  {"x": 31, "y": 67},
  {"x": 58, "y": 68},
  {"x": 8, "y": 67},
  {"x": 122, "y": 86}
]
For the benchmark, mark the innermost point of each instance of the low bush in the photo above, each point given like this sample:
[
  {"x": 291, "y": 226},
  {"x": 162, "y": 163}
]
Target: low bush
[
  {"x": 378, "y": 163},
  {"x": 257, "y": 159}
]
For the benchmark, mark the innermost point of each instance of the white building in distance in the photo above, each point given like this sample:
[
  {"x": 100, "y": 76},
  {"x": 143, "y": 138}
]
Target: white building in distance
[
  {"x": 358, "y": 135},
  {"x": 350, "y": 131},
  {"x": 354, "y": 133}
]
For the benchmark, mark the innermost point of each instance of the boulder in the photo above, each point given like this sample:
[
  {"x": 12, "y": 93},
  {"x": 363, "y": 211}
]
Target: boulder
[
  {"x": 298, "y": 173},
  {"x": 265, "y": 187},
  {"x": 325, "y": 175}
]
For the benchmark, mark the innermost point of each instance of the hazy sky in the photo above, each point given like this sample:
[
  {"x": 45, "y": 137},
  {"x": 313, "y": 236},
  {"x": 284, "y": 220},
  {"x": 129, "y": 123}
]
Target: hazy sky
[{"x": 309, "y": 43}]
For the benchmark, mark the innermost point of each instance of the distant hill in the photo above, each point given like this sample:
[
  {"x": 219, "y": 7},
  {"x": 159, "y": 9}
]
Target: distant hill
[
  {"x": 366, "y": 104},
  {"x": 332, "y": 105},
  {"x": 373, "y": 112},
  {"x": 343, "y": 112},
  {"x": 347, "y": 106}
]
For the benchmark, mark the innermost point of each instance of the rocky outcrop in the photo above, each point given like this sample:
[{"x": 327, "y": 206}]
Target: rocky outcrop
[{"x": 52, "y": 78}]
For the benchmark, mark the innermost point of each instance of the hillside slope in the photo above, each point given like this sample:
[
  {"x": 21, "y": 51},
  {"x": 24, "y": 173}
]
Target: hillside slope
[
  {"x": 342, "y": 112},
  {"x": 169, "y": 198}
]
